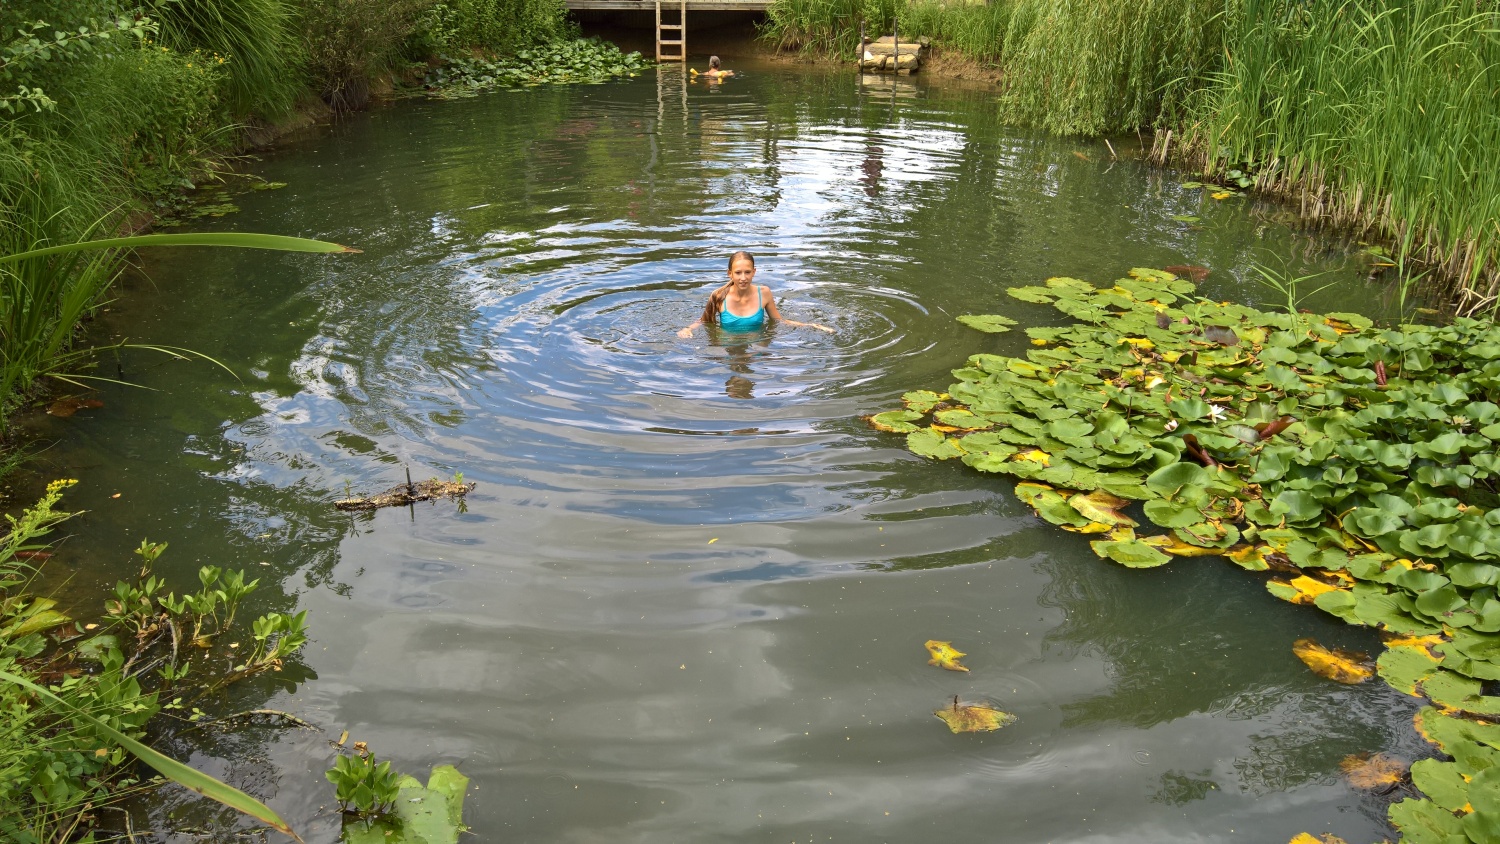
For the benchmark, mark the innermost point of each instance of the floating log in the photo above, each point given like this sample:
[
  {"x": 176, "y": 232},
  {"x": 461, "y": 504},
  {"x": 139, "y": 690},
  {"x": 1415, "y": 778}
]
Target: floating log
[{"x": 401, "y": 495}]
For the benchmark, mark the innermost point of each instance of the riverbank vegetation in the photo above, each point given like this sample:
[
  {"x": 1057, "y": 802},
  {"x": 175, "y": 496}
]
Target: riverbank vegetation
[
  {"x": 1355, "y": 464},
  {"x": 76, "y": 698},
  {"x": 1379, "y": 117},
  {"x": 109, "y": 111}
]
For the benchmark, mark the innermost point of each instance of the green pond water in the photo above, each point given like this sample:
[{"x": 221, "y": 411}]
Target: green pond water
[{"x": 688, "y": 600}]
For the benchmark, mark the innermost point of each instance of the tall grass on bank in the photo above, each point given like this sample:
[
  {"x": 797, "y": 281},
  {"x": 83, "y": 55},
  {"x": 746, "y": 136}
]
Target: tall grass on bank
[
  {"x": 1380, "y": 116},
  {"x": 829, "y": 27},
  {"x": 975, "y": 30},
  {"x": 258, "y": 39},
  {"x": 1086, "y": 67}
]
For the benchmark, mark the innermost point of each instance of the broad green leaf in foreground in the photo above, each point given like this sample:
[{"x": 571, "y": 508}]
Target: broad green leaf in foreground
[
  {"x": 168, "y": 767},
  {"x": 247, "y": 240},
  {"x": 422, "y": 815}
]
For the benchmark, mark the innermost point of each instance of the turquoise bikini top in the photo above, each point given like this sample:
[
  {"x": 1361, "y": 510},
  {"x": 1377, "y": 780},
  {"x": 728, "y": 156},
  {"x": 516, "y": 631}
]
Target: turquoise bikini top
[{"x": 743, "y": 323}]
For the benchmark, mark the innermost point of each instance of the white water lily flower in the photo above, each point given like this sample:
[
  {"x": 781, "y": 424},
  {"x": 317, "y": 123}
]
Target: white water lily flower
[
  {"x": 1216, "y": 413},
  {"x": 1171, "y": 425}
]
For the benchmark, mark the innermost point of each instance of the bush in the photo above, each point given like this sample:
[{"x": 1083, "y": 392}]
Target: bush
[
  {"x": 256, "y": 37},
  {"x": 350, "y": 42}
]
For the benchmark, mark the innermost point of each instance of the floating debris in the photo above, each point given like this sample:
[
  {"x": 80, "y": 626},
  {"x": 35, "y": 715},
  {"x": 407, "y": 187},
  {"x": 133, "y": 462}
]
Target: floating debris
[{"x": 401, "y": 495}]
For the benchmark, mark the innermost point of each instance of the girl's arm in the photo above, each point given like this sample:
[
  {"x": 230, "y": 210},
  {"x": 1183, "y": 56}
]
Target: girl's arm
[
  {"x": 688, "y": 332},
  {"x": 774, "y": 313}
]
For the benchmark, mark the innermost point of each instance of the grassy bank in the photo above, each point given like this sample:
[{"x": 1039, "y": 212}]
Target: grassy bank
[
  {"x": 109, "y": 110},
  {"x": 1378, "y": 117}
]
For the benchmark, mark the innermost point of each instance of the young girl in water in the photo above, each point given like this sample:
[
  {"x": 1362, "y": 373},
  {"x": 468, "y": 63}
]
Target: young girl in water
[
  {"x": 714, "y": 71},
  {"x": 742, "y": 304}
]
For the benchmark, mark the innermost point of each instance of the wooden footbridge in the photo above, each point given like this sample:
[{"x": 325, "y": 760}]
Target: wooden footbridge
[{"x": 671, "y": 18}]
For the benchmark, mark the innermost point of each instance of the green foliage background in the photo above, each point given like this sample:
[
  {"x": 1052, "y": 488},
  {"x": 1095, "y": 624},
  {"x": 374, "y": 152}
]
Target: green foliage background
[{"x": 1379, "y": 116}]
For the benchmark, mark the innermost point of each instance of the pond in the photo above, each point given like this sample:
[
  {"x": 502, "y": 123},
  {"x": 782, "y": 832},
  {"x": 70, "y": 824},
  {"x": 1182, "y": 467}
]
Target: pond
[{"x": 689, "y": 597}]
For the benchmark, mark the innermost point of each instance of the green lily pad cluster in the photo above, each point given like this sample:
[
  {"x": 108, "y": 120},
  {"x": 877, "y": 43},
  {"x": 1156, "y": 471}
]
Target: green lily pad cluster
[
  {"x": 1360, "y": 461},
  {"x": 585, "y": 60}
]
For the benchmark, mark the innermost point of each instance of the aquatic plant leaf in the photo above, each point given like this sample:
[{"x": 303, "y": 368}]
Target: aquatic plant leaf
[
  {"x": 1033, "y": 294},
  {"x": 962, "y": 420},
  {"x": 895, "y": 421},
  {"x": 1454, "y": 691},
  {"x": 930, "y": 443},
  {"x": 1404, "y": 667},
  {"x": 1172, "y": 514},
  {"x": 1378, "y": 770},
  {"x": 1050, "y": 504},
  {"x": 1131, "y": 553},
  {"x": 1169, "y": 481},
  {"x": 1309, "y": 838},
  {"x": 1482, "y": 825},
  {"x": 973, "y": 718},
  {"x": 1101, "y": 507},
  {"x": 1424, "y": 822},
  {"x": 192, "y": 779},
  {"x": 1442, "y": 783},
  {"x": 922, "y": 401},
  {"x": 1297, "y": 506},
  {"x": 1172, "y": 544},
  {"x": 1334, "y": 664},
  {"x": 418, "y": 816},
  {"x": 1251, "y": 557},
  {"x": 944, "y": 655},
  {"x": 988, "y": 323},
  {"x": 1451, "y": 733},
  {"x": 1299, "y": 590}
]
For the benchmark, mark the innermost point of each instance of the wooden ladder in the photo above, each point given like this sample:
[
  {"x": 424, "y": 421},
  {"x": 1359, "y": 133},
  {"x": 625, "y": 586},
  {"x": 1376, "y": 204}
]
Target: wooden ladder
[{"x": 680, "y": 42}]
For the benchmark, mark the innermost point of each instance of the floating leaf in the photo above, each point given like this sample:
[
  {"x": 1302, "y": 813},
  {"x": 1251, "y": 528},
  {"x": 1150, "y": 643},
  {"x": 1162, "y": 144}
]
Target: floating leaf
[
  {"x": 1299, "y": 590},
  {"x": 895, "y": 421},
  {"x": 1101, "y": 507},
  {"x": 962, "y": 420},
  {"x": 973, "y": 718},
  {"x": 1170, "y": 544},
  {"x": 930, "y": 443},
  {"x": 1131, "y": 553},
  {"x": 1370, "y": 771},
  {"x": 1050, "y": 504},
  {"x": 68, "y": 406},
  {"x": 1251, "y": 557},
  {"x": 1339, "y": 665},
  {"x": 1424, "y": 821},
  {"x": 944, "y": 655},
  {"x": 1443, "y": 782},
  {"x": 1404, "y": 667},
  {"x": 922, "y": 401},
  {"x": 988, "y": 323}
]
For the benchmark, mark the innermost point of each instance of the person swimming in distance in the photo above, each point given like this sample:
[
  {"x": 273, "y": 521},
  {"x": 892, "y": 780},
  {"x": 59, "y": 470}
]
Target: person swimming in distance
[
  {"x": 714, "y": 71},
  {"x": 741, "y": 304}
]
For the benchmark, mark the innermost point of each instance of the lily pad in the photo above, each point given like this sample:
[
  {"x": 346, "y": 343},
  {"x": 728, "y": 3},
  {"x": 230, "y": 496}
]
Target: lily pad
[{"x": 988, "y": 323}]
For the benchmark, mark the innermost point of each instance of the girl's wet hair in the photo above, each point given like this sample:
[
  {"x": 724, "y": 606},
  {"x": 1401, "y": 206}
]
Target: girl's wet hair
[
  {"x": 716, "y": 301},
  {"x": 713, "y": 61}
]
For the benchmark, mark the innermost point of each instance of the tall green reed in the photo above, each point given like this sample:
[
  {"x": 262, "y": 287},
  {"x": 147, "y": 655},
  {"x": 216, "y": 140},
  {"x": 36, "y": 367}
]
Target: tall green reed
[
  {"x": 1378, "y": 116},
  {"x": 257, "y": 38},
  {"x": 974, "y": 30},
  {"x": 829, "y": 27},
  {"x": 1087, "y": 67}
]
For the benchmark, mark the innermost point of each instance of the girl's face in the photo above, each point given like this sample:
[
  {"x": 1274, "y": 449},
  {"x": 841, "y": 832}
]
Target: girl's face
[{"x": 742, "y": 272}]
